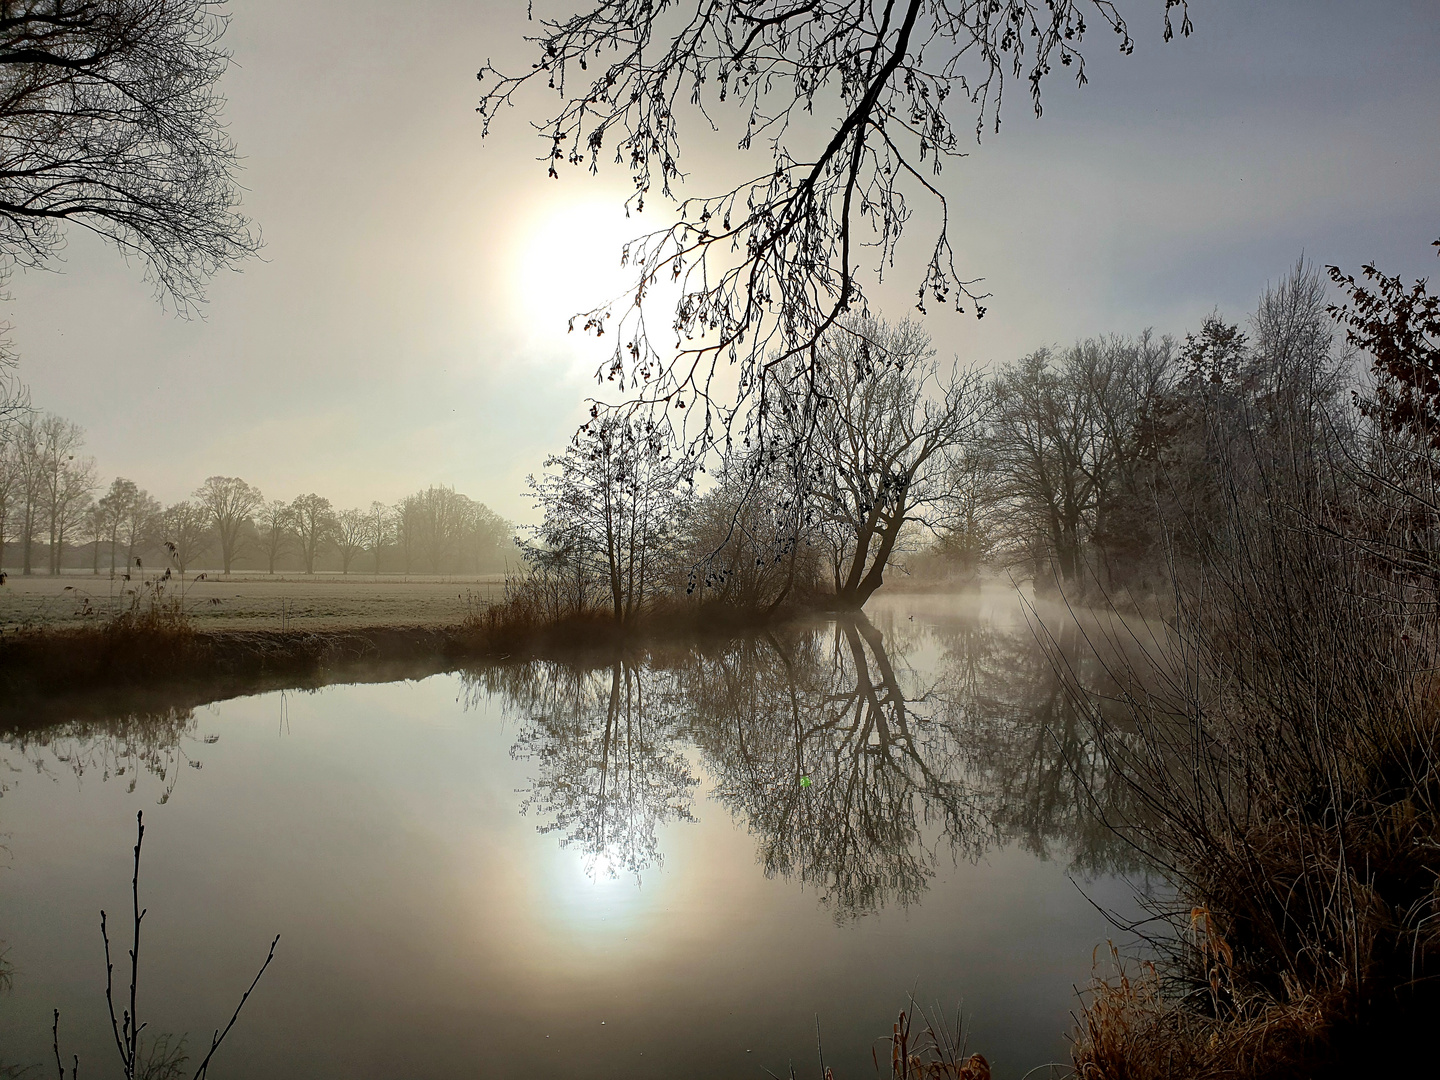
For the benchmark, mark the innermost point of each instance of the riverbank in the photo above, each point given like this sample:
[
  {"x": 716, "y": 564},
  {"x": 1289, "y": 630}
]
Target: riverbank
[{"x": 166, "y": 661}]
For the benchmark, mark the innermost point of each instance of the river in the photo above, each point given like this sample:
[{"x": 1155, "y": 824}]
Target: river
[{"x": 685, "y": 863}]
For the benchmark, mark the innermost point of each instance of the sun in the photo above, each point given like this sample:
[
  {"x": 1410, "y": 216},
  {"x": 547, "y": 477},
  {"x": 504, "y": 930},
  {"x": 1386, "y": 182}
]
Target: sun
[{"x": 567, "y": 261}]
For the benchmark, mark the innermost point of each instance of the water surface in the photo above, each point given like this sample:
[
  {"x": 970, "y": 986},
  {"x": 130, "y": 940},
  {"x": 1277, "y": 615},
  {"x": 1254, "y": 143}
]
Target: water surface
[{"x": 679, "y": 864}]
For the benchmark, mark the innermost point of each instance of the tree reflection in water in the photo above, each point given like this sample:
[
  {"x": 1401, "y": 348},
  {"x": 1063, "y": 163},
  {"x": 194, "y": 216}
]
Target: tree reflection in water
[
  {"x": 125, "y": 748},
  {"x": 847, "y": 780},
  {"x": 855, "y": 771},
  {"x": 611, "y": 762}
]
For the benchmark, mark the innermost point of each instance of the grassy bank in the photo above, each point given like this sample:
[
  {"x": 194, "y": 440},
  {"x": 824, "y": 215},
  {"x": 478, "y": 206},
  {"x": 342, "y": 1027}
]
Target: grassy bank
[{"x": 161, "y": 658}]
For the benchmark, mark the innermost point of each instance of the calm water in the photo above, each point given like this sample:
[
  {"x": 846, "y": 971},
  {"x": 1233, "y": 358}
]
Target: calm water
[{"x": 668, "y": 869}]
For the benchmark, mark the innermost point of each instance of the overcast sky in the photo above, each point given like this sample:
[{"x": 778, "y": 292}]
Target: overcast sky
[{"x": 406, "y": 322}]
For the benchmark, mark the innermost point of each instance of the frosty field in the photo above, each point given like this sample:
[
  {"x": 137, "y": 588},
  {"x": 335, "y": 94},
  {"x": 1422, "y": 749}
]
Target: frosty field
[{"x": 255, "y": 601}]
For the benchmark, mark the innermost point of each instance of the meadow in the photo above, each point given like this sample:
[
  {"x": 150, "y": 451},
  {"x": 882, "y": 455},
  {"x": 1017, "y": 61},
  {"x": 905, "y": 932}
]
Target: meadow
[{"x": 255, "y": 601}]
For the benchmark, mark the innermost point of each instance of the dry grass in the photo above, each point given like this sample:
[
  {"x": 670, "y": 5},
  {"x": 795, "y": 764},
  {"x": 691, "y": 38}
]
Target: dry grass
[
  {"x": 1130, "y": 1028},
  {"x": 936, "y": 1053},
  {"x": 1285, "y": 760},
  {"x": 531, "y": 616}
]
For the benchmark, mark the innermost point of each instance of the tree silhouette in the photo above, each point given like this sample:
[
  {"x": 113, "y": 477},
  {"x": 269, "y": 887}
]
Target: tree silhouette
[
  {"x": 312, "y": 519},
  {"x": 231, "y": 503},
  {"x": 854, "y": 104},
  {"x": 110, "y": 119}
]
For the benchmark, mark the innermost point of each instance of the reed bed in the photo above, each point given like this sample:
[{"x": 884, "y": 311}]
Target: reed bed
[{"x": 1284, "y": 753}]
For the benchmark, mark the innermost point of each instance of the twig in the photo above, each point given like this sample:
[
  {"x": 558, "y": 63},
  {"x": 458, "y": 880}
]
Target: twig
[
  {"x": 217, "y": 1039},
  {"x": 134, "y": 1018},
  {"x": 109, "y": 991}
]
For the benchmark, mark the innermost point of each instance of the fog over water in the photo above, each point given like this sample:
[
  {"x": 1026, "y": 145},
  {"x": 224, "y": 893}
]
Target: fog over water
[{"x": 406, "y": 323}]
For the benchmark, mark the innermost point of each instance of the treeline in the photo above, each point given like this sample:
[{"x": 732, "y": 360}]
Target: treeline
[
  {"x": 1087, "y": 468},
  {"x": 54, "y": 515}
]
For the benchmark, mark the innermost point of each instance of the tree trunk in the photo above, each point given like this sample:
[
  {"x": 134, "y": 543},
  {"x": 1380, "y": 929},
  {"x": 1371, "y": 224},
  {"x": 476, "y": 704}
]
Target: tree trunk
[{"x": 28, "y": 541}]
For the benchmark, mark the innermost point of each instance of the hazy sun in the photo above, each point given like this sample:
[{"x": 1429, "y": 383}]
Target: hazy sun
[{"x": 567, "y": 261}]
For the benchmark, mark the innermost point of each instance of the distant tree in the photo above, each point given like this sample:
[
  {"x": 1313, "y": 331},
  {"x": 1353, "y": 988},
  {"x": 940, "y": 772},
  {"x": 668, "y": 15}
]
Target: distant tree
[
  {"x": 11, "y": 486},
  {"x": 1118, "y": 387},
  {"x": 74, "y": 510},
  {"x": 231, "y": 503},
  {"x": 352, "y": 530},
  {"x": 274, "y": 531},
  {"x": 886, "y": 425},
  {"x": 186, "y": 533},
  {"x": 969, "y": 527},
  {"x": 312, "y": 520},
  {"x": 1294, "y": 368},
  {"x": 749, "y": 541},
  {"x": 1049, "y": 453},
  {"x": 491, "y": 539},
  {"x": 140, "y": 525},
  {"x": 114, "y": 506},
  {"x": 66, "y": 481},
  {"x": 444, "y": 528},
  {"x": 30, "y": 472},
  {"x": 408, "y": 513},
  {"x": 97, "y": 528},
  {"x": 14, "y": 399},
  {"x": 110, "y": 117},
  {"x": 379, "y": 529}
]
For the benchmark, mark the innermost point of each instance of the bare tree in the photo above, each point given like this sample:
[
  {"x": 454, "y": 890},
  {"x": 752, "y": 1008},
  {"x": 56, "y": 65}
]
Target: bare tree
[
  {"x": 110, "y": 118},
  {"x": 609, "y": 505},
  {"x": 437, "y": 519},
  {"x": 65, "y": 481},
  {"x": 407, "y": 514},
  {"x": 14, "y": 398},
  {"x": 1044, "y": 439},
  {"x": 352, "y": 530},
  {"x": 970, "y": 525},
  {"x": 72, "y": 507},
  {"x": 11, "y": 487},
  {"x": 231, "y": 503},
  {"x": 186, "y": 533},
  {"x": 140, "y": 524},
  {"x": 490, "y": 540},
  {"x": 854, "y": 103},
  {"x": 748, "y": 541},
  {"x": 97, "y": 528},
  {"x": 115, "y": 506},
  {"x": 30, "y": 467},
  {"x": 274, "y": 530},
  {"x": 379, "y": 530},
  {"x": 886, "y": 423},
  {"x": 1124, "y": 384},
  {"x": 312, "y": 519}
]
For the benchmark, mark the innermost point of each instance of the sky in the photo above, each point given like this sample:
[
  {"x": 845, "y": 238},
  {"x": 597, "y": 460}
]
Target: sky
[{"x": 405, "y": 323}]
